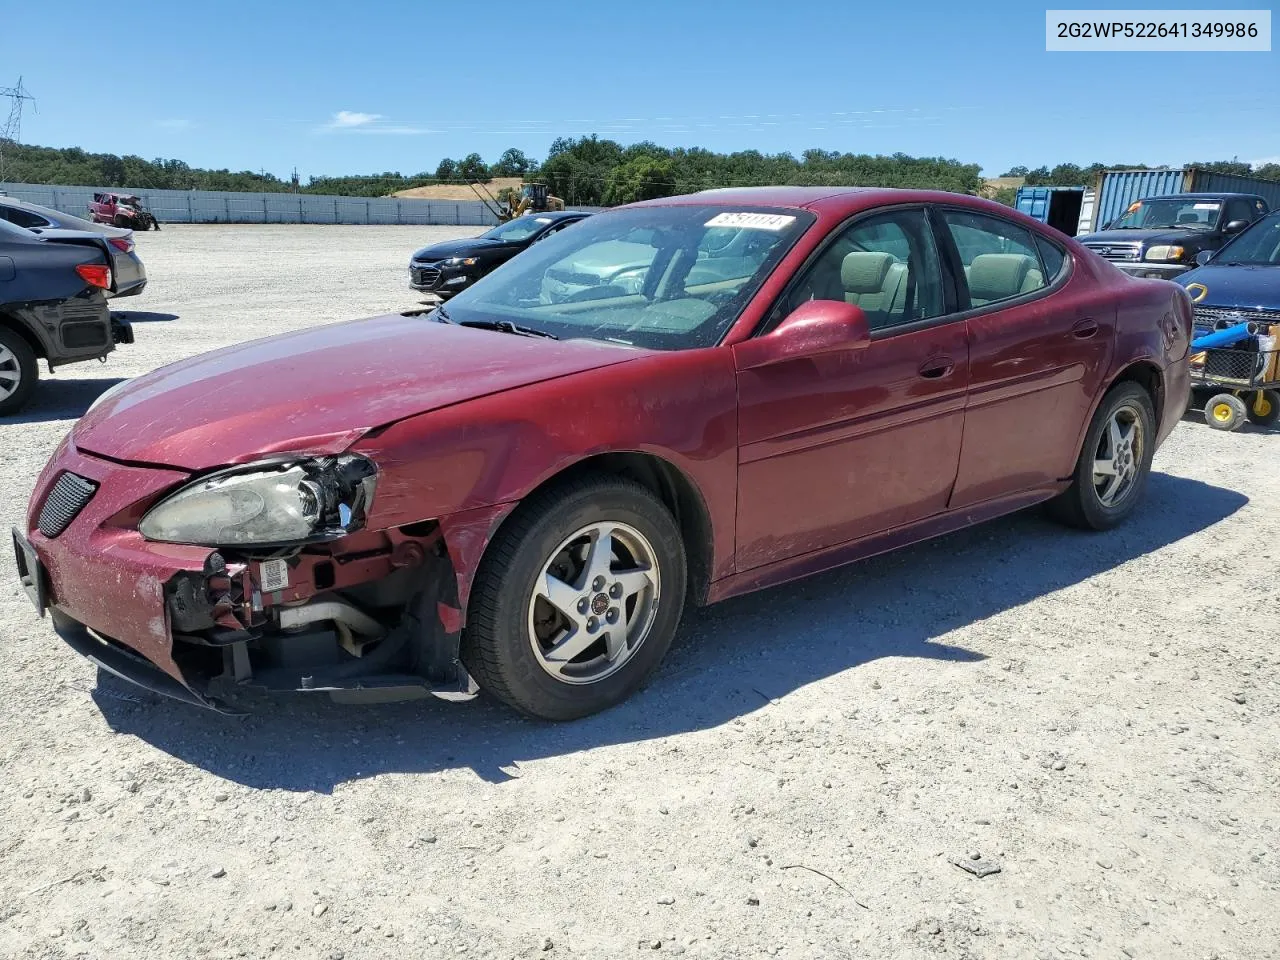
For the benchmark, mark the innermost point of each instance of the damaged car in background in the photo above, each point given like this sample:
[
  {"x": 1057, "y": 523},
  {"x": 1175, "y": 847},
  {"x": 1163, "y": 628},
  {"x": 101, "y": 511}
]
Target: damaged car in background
[{"x": 520, "y": 490}]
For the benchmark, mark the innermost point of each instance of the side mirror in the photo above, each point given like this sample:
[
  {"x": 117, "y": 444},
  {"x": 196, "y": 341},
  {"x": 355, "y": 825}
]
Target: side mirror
[
  {"x": 1235, "y": 226},
  {"x": 1203, "y": 257},
  {"x": 814, "y": 328}
]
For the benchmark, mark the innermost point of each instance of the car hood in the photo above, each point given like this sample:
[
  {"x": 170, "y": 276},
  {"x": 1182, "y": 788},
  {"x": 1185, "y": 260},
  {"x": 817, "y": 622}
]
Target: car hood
[
  {"x": 1253, "y": 287},
  {"x": 456, "y": 248},
  {"x": 318, "y": 390},
  {"x": 1162, "y": 235}
]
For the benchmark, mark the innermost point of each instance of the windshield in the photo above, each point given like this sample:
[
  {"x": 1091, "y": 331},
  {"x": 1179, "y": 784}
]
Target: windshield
[
  {"x": 1182, "y": 214},
  {"x": 521, "y": 228},
  {"x": 665, "y": 278},
  {"x": 1259, "y": 244}
]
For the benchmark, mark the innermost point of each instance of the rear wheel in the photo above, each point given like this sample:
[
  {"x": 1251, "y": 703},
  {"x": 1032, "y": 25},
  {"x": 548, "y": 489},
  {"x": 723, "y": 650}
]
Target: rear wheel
[
  {"x": 1265, "y": 408},
  {"x": 19, "y": 372},
  {"x": 1225, "y": 411},
  {"x": 1111, "y": 472},
  {"x": 577, "y": 599}
]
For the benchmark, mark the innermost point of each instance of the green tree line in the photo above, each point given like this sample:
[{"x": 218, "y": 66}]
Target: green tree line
[{"x": 582, "y": 171}]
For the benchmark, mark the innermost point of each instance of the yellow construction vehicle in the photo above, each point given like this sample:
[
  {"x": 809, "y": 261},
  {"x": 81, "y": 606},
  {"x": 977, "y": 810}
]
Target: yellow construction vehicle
[{"x": 533, "y": 198}]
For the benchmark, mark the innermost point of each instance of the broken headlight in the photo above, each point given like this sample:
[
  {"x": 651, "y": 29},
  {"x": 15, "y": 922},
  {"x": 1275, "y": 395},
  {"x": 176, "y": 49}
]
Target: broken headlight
[{"x": 278, "y": 503}]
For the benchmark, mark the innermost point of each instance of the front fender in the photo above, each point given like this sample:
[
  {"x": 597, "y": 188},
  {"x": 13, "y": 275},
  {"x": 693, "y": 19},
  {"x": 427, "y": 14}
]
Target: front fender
[{"x": 469, "y": 465}]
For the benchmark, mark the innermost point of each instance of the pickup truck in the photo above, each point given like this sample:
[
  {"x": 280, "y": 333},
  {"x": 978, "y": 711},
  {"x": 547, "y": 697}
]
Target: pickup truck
[
  {"x": 122, "y": 210},
  {"x": 1160, "y": 237}
]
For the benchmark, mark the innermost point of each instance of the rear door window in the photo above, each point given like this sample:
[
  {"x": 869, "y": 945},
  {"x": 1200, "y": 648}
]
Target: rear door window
[{"x": 1000, "y": 259}]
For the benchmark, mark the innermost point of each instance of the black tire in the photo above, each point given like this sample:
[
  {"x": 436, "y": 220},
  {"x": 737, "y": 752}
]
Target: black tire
[
  {"x": 1270, "y": 412},
  {"x": 1081, "y": 505},
  {"x": 497, "y": 647},
  {"x": 24, "y": 364},
  {"x": 122, "y": 222},
  {"x": 1225, "y": 411}
]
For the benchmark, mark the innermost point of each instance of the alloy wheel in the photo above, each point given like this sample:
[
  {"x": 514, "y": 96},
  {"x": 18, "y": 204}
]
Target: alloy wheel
[
  {"x": 10, "y": 373},
  {"x": 1119, "y": 455},
  {"x": 594, "y": 602}
]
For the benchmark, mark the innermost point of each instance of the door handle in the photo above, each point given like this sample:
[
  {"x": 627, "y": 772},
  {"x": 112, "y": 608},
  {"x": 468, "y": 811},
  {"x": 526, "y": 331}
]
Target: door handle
[
  {"x": 937, "y": 367},
  {"x": 1084, "y": 329}
]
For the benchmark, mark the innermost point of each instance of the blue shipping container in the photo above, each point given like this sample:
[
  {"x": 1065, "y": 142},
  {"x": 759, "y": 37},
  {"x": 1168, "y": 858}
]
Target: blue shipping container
[{"x": 1059, "y": 207}]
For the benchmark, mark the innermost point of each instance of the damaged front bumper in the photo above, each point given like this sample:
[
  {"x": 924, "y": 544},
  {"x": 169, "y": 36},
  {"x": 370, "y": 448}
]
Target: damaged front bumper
[{"x": 372, "y": 616}]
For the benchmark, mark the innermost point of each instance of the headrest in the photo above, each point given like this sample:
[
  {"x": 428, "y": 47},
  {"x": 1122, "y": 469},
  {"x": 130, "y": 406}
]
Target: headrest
[
  {"x": 994, "y": 276},
  {"x": 864, "y": 272}
]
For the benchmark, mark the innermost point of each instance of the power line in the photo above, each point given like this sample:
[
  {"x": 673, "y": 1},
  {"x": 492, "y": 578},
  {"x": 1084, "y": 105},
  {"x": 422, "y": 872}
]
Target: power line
[{"x": 11, "y": 132}]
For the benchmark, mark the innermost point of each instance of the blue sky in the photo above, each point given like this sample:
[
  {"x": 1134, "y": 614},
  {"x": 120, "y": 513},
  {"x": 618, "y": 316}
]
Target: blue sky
[{"x": 335, "y": 88}]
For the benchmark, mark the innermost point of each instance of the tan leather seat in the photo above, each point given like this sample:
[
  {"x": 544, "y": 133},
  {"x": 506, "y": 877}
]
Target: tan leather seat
[
  {"x": 876, "y": 282},
  {"x": 999, "y": 276}
]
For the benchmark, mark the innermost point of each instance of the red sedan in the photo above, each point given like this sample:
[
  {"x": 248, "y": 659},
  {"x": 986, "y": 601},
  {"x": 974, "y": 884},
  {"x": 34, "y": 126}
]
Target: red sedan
[{"x": 676, "y": 401}]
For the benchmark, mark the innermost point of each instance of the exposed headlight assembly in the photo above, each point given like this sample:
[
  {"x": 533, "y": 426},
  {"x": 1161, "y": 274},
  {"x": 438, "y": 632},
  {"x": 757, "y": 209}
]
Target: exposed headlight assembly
[
  {"x": 461, "y": 261},
  {"x": 272, "y": 504},
  {"x": 1163, "y": 251}
]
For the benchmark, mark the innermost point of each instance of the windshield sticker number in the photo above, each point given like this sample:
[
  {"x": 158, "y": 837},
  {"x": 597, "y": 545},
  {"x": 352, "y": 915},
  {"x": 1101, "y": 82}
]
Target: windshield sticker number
[
  {"x": 751, "y": 221},
  {"x": 1206, "y": 206}
]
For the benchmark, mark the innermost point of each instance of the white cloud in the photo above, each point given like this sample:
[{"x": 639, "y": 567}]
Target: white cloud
[
  {"x": 351, "y": 121},
  {"x": 347, "y": 119},
  {"x": 1266, "y": 160}
]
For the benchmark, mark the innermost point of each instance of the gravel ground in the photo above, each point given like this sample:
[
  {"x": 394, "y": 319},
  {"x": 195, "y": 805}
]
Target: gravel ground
[{"x": 1096, "y": 714}]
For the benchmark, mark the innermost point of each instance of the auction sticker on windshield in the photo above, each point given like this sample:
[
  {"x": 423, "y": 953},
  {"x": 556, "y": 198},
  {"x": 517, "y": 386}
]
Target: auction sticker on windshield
[{"x": 751, "y": 221}]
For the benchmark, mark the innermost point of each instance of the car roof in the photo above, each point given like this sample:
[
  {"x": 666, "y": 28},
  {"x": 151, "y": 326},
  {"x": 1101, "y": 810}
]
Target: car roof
[
  {"x": 79, "y": 224},
  {"x": 761, "y": 196},
  {"x": 835, "y": 201},
  {"x": 560, "y": 214}
]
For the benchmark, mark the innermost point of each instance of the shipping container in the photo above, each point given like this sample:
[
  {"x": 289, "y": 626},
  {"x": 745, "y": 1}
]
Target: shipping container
[
  {"x": 1204, "y": 181},
  {"x": 1059, "y": 207},
  {"x": 1117, "y": 189}
]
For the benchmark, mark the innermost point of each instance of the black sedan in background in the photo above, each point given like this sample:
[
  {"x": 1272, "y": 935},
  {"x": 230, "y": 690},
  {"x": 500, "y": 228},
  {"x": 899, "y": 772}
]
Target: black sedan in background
[{"x": 445, "y": 268}]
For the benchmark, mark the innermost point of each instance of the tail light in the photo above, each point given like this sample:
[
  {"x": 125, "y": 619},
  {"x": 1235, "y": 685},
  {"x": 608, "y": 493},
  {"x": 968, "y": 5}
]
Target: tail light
[
  {"x": 123, "y": 244},
  {"x": 95, "y": 274}
]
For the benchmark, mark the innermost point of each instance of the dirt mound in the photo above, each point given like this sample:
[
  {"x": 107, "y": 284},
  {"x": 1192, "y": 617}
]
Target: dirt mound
[{"x": 459, "y": 191}]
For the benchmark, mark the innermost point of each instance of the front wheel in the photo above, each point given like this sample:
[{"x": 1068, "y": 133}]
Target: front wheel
[
  {"x": 577, "y": 599},
  {"x": 1111, "y": 472}
]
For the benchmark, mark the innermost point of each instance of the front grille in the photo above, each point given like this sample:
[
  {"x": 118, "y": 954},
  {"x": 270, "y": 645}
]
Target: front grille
[
  {"x": 64, "y": 503},
  {"x": 1213, "y": 318},
  {"x": 426, "y": 276},
  {"x": 1116, "y": 251}
]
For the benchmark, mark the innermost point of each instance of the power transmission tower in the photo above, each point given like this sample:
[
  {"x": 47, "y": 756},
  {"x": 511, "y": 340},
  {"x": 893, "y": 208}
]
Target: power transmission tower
[{"x": 12, "y": 129}]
